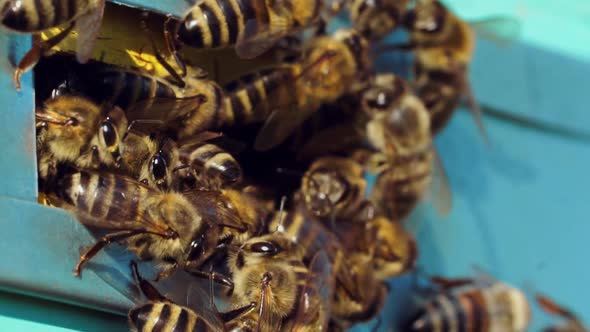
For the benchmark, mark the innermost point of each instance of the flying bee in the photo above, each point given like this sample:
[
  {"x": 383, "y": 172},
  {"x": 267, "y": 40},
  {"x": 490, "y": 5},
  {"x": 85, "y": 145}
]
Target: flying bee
[
  {"x": 28, "y": 16},
  {"x": 376, "y": 19},
  {"x": 572, "y": 322},
  {"x": 444, "y": 45},
  {"x": 77, "y": 131},
  {"x": 398, "y": 129},
  {"x": 287, "y": 293},
  {"x": 470, "y": 304},
  {"x": 252, "y": 26},
  {"x": 171, "y": 229}
]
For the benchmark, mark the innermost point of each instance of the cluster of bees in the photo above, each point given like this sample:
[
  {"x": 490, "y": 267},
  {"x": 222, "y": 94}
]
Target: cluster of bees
[{"x": 259, "y": 186}]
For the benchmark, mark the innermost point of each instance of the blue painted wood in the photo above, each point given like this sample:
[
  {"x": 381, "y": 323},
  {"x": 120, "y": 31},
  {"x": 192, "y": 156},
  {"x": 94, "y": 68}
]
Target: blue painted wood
[
  {"x": 40, "y": 247},
  {"x": 18, "y": 158},
  {"x": 519, "y": 207}
]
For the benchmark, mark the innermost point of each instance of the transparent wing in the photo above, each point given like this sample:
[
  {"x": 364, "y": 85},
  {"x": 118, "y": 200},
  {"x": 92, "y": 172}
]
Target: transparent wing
[
  {"x": 474, "y": 108},
  {"x": 117, "y": 274},
  {"x": 119, "y": 206},
  {"x": 439, "y": 190},
  {"x": 213, "y": 208},
  {"x": 503, "y": 30},
  {"x": 258, "y": 37},
  {"x": 88, "y": 27},
  {"x": 281, "y": 124},
  {"x": 165, "y": 109},
  {"x": 193, "y": 293},
  {"x": 314, "y": 303}
]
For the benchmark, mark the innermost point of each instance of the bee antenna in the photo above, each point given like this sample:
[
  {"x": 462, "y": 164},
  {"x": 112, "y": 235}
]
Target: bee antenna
[{"x": 282, "y": 211}]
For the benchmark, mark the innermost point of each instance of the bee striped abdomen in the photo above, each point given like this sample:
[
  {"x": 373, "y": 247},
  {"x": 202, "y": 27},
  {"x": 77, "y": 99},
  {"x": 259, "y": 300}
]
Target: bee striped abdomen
[
  {"x": 213, "y": 24},
  {"x": 165, "y": 317},
  {"x": 126, "y": 89},
  {"x": 251, "y": 98},
  {"x": 32, "y": 16},
  {"x": 398, "y": 190},
  {"x": 212, "y": 162},
  {"x": 103, "y": 196},
  {"x": 453, "y": 312}
]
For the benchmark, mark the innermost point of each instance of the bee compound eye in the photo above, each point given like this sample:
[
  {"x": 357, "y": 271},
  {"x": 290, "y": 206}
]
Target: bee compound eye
[
  {"x": 109, "y": 134},
  {"x": 159, "y": 167},
  {"x": 265, "y": 247}
]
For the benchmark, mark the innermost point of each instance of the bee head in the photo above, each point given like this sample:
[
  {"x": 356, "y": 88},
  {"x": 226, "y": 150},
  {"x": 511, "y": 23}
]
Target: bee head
[{"x": 427, "y": 17}]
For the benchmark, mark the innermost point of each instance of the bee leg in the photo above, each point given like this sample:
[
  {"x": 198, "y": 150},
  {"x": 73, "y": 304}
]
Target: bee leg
[
  {"x": 166, "y": 272},
  {"x": 36, "y": 52},
  {"x": 172, "y": 43},
  {"x": 146, "y": 287},
  {"x": 216, "y": 277},
  {"x": 266, "y": 279},
  {"x": 235, "y": 313},
  {"x": 176, "y": 78},
  {"x": 100, "y": 244}
]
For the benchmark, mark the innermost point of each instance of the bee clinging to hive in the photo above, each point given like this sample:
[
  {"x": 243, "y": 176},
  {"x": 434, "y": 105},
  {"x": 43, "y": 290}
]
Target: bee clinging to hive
[
  {"x": 397, "y": 127},
  {"x": 29, "y": 16},
  {"x": 77, "y": 131},
  {"x": 169, "y": 228},
  {"x": 287, "y": 293},
  {"x": 444, "y": 46},
  {"x": 253, "y": 26}
]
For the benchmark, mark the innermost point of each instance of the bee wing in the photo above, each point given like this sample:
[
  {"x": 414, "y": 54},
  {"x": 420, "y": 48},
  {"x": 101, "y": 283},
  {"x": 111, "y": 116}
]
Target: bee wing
[
  {"x": 117, "y": 273},
  {"x": 118, "y": 207},
  {"x": 211, "y": 206},
  {"x": 164, "y": 109},
  {"x": 439, "y": 190},
  {"x": 281, "y": 124},
  {"x": 186, "y": 290},
  {"x": 316, "y": 297},
  {"x": 474, "y": 108},
  {"x": 258, "y": 37},
  {"x": 503, "y": 30},
  {"x": 88, "y": 27}
]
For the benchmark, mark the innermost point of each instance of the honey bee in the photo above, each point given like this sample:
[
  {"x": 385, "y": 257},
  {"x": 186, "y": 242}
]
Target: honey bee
[
  {"x": 334, "y": 187},
  {"x": 149, "y": 159},
  {"x": 311, "y": 237},
  {"x": 376, "y": 19},
  {"x": 468, "y": 304},
  {"x": 171, "y": 229},
  {"x": 162, "y": 312},
  {"x": 444, "y": 45},
  {"x": 77, "y": 131},
  {"x": 287, "y": 292},
  {"x": 398, "y": 129},
  {"x": 209, "y": 165},
  {"x": 252, "y": 26},
  {"x": 331, "y": 66},
  {"x": 181, "y": 106},
  {"x": 572, "y": 322},
  {"x": 28, "y": 16}
]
